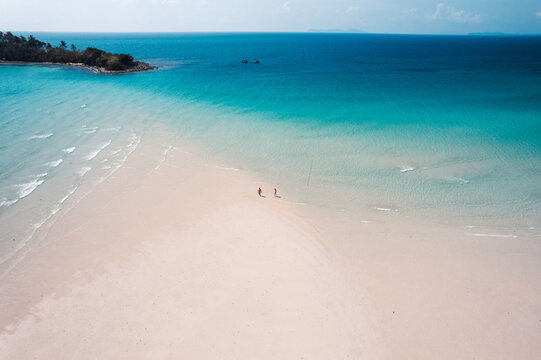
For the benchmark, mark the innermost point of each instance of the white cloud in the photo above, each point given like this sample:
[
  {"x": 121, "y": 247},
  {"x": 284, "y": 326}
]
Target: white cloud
[
  {"x": 352, "y": 10},
  {"x": 409, "y": 12},
  {"x": 125, "y": 3},
  {"x": 163, "y": 2},
  {"x": 159, "y": 2},
  {"x": 446, "y": 12}
]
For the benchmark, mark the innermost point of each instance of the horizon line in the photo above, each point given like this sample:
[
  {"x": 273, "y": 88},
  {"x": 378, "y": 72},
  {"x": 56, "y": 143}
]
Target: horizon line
[{"x": 310, "y": 31}]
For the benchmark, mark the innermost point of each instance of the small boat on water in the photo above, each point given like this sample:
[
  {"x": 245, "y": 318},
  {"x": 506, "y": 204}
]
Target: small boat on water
[
  {"x": 256, "y": 61},
  {"x": 245, "y": 61}
]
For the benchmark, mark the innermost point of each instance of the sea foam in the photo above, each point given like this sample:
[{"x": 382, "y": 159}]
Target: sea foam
[
  {"x": 41, "y": 136},
  {"x": 95, "y": 153},
  {"x": 495, "y": 235},
  {"x": 84, "y": 170},
  {"x": 227, "y": 168},
  {"x": 5, "y": 202},
  {"x": 54, "y": 163},
  {"x": 70, "y": 192},
  {"x": 27, "y": 188},
  {"x": 406, "y": 169},
  {"x": 459, "y": 180}
]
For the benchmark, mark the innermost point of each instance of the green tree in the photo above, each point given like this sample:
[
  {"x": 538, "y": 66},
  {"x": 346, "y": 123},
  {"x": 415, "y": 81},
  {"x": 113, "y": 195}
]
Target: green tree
[
  {"x": 19, "y": 48},
  {"x": 114, "y": 63},
  {"x": 126, "y": 59}
]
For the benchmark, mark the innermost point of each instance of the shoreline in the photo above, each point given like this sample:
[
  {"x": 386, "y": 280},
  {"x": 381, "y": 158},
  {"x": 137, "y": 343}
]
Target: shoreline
[
  {"x": 139, "y": 67},
  {"x": 166, "y": 270},
  {"x": 165, "y": 258}
]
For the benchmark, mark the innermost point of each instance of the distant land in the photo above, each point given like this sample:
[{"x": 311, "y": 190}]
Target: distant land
[
  {"x": 488, "y": 33},
  {"x": 359, "y": 31},
  {"x": 343, "y": 31},
  {"x": 500, "y": 34},
  {"x": 18, "y": 49}
]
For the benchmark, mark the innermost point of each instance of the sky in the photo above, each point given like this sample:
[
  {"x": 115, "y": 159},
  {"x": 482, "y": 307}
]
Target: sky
[{"x": 371, "y": 16}]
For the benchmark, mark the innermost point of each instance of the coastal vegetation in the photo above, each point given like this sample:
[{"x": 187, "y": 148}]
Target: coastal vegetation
[{"x": 20, "y": 48}]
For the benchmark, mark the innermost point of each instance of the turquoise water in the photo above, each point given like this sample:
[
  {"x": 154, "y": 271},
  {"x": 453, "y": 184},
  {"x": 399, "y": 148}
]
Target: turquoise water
[{"x": 446, "y": 127}]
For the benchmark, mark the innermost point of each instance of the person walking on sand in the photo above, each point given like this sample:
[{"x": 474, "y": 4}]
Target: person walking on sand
[
  {"x": 259, "y": 191},
  {"x": 275, "y": 191}
]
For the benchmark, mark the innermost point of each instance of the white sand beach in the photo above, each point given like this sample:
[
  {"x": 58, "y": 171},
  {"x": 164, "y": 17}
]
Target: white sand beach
[{"x": 182, "y": 259}]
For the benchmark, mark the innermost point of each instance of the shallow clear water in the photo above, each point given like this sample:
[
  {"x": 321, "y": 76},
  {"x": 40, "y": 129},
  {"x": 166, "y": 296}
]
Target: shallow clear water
[{"x": 447, "y": 127}]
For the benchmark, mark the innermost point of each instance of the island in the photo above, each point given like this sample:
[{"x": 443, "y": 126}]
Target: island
[{"x": 30, "y": 50}]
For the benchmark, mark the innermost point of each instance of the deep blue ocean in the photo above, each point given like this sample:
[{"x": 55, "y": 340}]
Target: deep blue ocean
[{"x": 447, "y": 127}]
